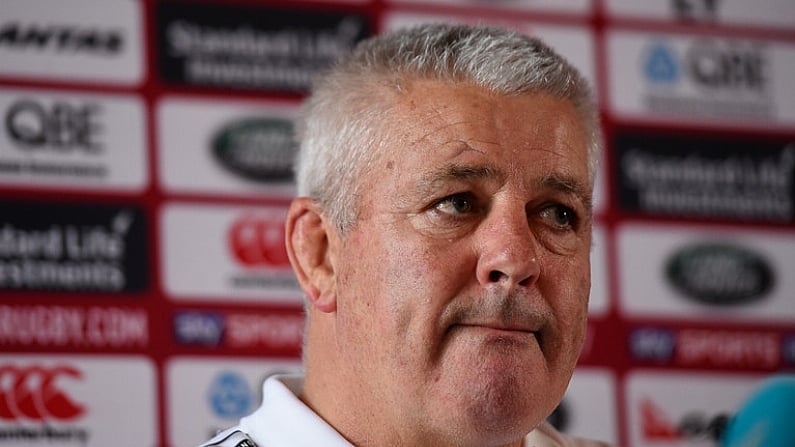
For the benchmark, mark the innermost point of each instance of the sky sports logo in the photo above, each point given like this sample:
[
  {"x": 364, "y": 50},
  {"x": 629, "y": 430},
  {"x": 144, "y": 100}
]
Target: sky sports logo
[
  {"x": 273, "y": 331},
  {"x": 704, "y": 348},
  {"x": 652, "y": 344},
  {"x": 199, "y": 328}
]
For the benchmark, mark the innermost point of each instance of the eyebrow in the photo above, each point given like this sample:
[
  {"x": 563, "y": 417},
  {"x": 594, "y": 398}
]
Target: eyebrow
[{"x": 456, "y": 173}]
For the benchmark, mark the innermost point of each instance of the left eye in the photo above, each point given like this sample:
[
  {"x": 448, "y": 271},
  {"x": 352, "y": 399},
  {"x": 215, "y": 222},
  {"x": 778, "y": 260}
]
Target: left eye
[
  {"x": 559, "y": 216},
  {"x": 456, "y": 204}
]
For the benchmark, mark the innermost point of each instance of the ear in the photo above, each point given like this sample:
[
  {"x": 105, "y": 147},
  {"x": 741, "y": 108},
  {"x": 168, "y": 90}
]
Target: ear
[{"x": 307, "y": 240}]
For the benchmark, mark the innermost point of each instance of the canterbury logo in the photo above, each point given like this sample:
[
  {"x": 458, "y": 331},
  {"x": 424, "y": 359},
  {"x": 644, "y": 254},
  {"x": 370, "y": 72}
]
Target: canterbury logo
[
  {"x": 32, "y": 393},
  {"x": 258, "y": 241}
]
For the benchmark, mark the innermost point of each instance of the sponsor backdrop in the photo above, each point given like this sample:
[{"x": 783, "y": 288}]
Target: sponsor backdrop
[{"x": 144, "y": 175}]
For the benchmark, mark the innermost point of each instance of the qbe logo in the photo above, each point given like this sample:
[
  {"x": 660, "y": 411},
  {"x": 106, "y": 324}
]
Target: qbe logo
[
  {"x": 724, "y": 79},
  {"x": 75, "y": 140},
  {"x": 709, "y": 65},
  {"x": 63, "y": 126},
  {"x": 698, "y": 79},
  {"x": 661, "y": 65},
  {"x": 33, "y": 397}
]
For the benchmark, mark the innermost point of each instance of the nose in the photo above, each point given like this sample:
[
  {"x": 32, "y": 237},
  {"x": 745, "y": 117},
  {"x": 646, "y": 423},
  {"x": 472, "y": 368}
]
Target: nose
[{"x": 508, "y": 250}]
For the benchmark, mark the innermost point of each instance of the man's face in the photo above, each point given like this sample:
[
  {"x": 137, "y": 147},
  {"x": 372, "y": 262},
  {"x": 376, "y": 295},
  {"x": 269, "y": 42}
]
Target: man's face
[{"x": 462, "y": 289}]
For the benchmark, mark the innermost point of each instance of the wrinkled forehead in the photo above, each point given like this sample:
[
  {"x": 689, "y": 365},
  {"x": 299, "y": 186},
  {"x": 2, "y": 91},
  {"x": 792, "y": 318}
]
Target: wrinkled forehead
[
  {"x": 429, "y": 123},
  {"x": 439, "y": 112}
]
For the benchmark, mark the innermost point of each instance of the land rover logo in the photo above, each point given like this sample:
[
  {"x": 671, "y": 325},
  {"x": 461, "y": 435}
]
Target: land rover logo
[
  {"x": 720, "y": 274},
  {"x": 257, "y": 149}
]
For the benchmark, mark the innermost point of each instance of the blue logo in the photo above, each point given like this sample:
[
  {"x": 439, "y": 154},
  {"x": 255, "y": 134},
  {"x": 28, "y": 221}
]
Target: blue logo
[
  {"x": 652, "y": 344},
  {"x": 661, "y": 65},
  {"x": 198, "y": 328},
  {"x": 230, "y": 396}
]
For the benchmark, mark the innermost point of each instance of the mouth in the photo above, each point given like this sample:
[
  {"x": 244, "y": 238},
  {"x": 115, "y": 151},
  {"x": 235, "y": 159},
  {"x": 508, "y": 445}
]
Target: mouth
[
  {"x": 508, "y": 322},
  {"x": 499, "y": 331}
]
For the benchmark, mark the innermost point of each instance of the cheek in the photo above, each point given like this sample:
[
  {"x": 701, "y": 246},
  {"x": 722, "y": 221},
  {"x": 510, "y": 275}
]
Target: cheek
[
  {"x": 386, "y": 278},
  {"x": 411, "y": 282},
  {"x": 568, "y": 291},
  {"x": 418, "y": 282},
  {"x": 579, "y": 303}
]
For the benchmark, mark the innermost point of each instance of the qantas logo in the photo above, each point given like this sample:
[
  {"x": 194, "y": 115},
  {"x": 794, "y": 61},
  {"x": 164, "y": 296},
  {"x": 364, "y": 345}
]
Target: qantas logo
[
  {"x": 258, "y": 241},
  {"x": 656, "y": 426},
  {"x": 33, "y": 394},
  {"x": 61, "y": 38}
]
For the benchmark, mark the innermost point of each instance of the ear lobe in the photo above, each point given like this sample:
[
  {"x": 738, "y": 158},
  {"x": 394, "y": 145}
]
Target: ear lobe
[{"x": 307, "y": 243}]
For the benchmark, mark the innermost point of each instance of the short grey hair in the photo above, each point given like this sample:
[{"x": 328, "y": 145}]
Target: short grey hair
[{"x": 341, "y": 128}]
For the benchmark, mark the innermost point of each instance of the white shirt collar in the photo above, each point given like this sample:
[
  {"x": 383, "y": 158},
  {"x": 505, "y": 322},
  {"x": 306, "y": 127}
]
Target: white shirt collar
[{"x": 284, "y": 420}]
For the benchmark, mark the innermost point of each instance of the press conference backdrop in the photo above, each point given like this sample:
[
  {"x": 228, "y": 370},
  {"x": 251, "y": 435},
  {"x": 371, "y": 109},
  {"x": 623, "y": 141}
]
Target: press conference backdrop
[{"x": 144, "y": 177}]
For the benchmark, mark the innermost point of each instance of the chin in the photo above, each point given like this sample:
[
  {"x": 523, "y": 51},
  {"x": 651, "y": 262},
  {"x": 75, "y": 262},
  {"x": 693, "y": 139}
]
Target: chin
[
  {"x": 505, "y": 389},
  {"x": 507, "y": 406},
  {"x": 498, "y": 426},
  {"x": 489, "y": 404}
]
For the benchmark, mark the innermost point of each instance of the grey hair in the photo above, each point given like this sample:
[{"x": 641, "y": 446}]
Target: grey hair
[{"x": 344, "y": 118}]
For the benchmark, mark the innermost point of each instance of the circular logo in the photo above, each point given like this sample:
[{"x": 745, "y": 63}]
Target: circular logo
[
  {"x": 257, "y": 149},
  {"x": 720, "y": 274},
  {"x": 230, "y": 396}
]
